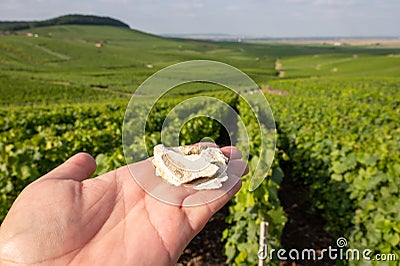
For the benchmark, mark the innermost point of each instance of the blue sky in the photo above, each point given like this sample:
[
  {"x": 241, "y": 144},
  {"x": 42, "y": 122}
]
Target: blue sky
[{"x": 264, "y": 18}]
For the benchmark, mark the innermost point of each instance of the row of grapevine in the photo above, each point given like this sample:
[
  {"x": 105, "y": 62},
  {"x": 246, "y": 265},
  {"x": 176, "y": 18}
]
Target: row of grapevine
[
  {"x": 343, "y": 141},
  {"x": 34, "y": 141},
  {"x": 35, "y": 91},
  {"x": 249, "y": 209}
]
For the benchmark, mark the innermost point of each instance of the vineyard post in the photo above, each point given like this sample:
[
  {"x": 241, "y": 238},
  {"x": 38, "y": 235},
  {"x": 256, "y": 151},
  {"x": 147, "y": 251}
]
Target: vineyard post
[{"x": 263, "y": 241}]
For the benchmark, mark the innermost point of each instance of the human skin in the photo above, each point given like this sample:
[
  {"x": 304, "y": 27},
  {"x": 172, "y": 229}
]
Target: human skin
[{"x": 65, "y": 217}]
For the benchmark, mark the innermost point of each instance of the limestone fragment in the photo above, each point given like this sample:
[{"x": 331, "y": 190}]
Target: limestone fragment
[{"x": 199, "y": 167}]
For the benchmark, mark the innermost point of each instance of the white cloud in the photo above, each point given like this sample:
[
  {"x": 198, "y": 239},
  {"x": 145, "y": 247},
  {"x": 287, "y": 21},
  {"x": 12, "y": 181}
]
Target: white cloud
[
  {"x": 296, "y": 1},
  {"x": 233, "y": 8},
  {"x": 325, "y": 2},
  {"x": 9, "y": 4},
  {"x": 336, "y": 2},
  {"x": 189, "y": 5},
  {"x": 115, "y": 1}
]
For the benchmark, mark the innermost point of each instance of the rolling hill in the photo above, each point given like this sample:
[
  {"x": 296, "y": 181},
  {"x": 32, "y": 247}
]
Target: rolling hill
[
  {"x": 62, "y": 20},
  {"x": 114, "y": 57}
]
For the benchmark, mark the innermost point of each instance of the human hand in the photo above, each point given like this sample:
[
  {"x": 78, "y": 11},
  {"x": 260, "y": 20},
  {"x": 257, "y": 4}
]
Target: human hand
[{"x": 64, "y": 217}]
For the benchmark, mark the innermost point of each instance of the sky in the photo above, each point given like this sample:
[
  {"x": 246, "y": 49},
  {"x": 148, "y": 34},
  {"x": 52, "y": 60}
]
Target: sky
[{"x": 256, "y": 18}]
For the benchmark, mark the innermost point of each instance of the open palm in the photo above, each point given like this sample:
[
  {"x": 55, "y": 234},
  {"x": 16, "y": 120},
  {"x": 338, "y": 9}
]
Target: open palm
[{"x": 64, "y": 217}]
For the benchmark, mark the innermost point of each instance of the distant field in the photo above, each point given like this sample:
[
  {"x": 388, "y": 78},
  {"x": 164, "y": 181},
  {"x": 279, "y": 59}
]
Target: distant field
[
  {"x": 372, "y": 42},
  {"x": 68, "y": 55}
]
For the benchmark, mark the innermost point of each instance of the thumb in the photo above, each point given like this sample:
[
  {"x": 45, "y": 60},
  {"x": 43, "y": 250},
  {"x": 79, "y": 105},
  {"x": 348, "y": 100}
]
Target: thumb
[{"x": 79, "y": 167}]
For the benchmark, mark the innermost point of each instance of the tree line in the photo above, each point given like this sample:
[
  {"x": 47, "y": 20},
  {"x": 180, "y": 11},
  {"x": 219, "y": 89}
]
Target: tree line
[{"x": 63, "y": 20}]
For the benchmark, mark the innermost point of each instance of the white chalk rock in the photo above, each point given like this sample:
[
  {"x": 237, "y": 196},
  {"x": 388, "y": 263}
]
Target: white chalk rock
[{"x": 199, "y": 167}]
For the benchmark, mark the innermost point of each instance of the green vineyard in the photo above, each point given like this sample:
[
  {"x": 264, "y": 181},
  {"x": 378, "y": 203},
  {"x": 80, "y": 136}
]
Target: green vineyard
[{"x": 337, "y": 113}]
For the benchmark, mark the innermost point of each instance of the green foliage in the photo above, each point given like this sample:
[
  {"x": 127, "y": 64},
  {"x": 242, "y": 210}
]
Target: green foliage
[
  {"x": 17, "y": 91},
  {"x": 246, "y": 213},
  {"x": 343, "y": 142},
  {"x": 34, "y": 141},
  {"x": 249, "y": 209}
]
